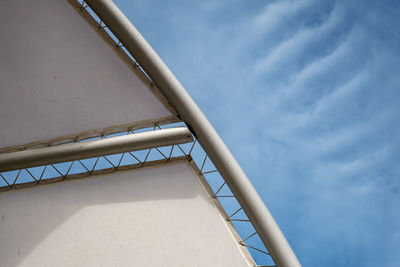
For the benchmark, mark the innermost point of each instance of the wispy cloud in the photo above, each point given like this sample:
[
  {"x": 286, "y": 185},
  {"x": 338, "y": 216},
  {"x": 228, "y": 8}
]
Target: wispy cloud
[{"x": 306, "y": 95}]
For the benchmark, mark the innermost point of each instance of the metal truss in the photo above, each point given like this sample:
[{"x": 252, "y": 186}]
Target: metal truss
[
  {"x": 216, "y": 187},
  {"x": 225, "y": 200},
  {"x": 45, "y": 174},
  {"x": 231, "y": 209}
]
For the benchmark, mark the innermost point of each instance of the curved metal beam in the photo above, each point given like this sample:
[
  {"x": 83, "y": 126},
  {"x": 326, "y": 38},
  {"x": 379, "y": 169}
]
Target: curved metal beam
[{"x": 209, "y": 139}]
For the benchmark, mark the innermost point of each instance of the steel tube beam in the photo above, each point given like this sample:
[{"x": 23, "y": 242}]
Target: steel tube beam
[
  {"x": 95, "y": 148},
  {"x": 209, "y": 139}
]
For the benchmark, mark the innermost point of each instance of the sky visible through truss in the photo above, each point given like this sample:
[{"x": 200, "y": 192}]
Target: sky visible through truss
[{"x": 306, "y": 95}]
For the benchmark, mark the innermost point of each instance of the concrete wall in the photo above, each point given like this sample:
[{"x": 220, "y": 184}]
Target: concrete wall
[
  {"x": 158, "y": 216},
  {"x": 59, "y": 77}
]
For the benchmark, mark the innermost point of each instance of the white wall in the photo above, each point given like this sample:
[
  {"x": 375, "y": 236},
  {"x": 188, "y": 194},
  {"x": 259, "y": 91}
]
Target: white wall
[
  {"x": 159, "y": 216},
  {"x": 58, "y": 77}
]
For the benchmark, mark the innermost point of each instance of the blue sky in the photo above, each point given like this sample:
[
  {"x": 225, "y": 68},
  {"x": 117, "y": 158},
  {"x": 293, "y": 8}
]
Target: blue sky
[{"x": 306, "y": 95}]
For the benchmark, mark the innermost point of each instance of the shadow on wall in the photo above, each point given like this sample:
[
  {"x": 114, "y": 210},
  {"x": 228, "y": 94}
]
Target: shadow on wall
[{"x": 119, "y": 217}]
